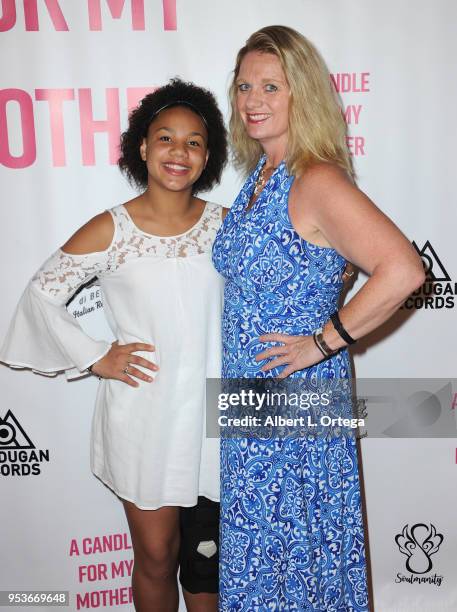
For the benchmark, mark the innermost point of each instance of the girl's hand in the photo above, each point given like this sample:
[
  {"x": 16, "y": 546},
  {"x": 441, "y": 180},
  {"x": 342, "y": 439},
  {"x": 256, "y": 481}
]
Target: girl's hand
[
  {"x": 296, "y": 352},
  {"x": 117, "y": 363}
]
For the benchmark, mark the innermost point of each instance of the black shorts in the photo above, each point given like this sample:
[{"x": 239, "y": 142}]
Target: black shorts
[{"x": 199, "y": 548}]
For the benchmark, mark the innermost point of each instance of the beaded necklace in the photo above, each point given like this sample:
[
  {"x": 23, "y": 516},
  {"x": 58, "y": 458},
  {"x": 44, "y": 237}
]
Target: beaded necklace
[{"x": 261, "y": 181}]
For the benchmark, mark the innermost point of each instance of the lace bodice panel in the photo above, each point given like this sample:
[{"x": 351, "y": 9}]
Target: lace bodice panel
[{"x": 62, "y": 274}]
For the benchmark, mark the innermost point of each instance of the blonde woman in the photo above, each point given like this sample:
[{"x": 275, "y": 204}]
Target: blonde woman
[{"x": 292, "y": 534}]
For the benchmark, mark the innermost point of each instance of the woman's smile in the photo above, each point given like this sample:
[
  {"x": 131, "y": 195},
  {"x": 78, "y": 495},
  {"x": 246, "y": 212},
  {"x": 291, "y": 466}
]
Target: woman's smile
[{"x": 257, "y": 118}]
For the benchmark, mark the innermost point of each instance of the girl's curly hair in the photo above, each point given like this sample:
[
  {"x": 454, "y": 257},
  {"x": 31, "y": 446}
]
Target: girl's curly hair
[{"x": 175, "y": 93}]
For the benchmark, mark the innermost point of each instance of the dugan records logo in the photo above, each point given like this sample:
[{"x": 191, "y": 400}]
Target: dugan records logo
[
  {"x": 418, "y": 544},
  {"x": 438, "y": 290},
  {"x": 18, "y": 454}
]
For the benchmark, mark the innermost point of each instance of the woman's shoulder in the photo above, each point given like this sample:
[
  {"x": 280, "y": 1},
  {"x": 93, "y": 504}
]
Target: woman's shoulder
[
  {"x": 323, "y": 181},
  {"x": 322, "y": 174}
]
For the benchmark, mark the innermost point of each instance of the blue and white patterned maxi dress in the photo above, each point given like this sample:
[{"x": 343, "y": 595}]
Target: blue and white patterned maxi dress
[{"x": 291, "y": 520}]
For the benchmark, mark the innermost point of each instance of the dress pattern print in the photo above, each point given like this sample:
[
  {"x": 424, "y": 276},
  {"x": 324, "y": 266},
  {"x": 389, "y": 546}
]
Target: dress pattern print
[{"x": 291, "y": 517}]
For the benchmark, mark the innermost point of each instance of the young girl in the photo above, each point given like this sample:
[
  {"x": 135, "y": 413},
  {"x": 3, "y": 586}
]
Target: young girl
[{"x": 162, "y": 299}]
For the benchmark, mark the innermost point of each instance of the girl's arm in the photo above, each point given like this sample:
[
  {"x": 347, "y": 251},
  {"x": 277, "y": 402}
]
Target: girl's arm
[{"x": 43, "y": 336}]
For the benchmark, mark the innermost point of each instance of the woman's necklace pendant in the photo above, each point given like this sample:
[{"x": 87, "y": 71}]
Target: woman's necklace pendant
[{"x": 260, "y": 182}]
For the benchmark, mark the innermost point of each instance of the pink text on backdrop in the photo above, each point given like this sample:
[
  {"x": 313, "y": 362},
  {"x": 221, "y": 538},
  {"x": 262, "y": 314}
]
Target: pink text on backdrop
[
  {"x": 27, "y": 128},
  {"x": 106, "y": 598},
  {"x": 110, "y": 125},
  {"x": 81, "y": 103},
  {"x": 356, "y": 145},
  {"x": 8, "y": 16},
  {"x": 344, "y": 82},
  {"x": 100, "y": 544},
  {"x": 351, "y": 113},
  {"x": 55, "y": 99},
  {"x": 116, "y": 7},
  {"x": 111, "y": 570},
  {"x": 89, "y": 126},
  {"x": 95, "y": 572}
]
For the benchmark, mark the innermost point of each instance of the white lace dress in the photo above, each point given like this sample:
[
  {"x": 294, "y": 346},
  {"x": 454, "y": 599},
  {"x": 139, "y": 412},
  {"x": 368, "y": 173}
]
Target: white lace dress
[{"x": 148, "y": 443}]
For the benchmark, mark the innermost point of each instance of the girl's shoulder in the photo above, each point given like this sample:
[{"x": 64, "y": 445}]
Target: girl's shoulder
[
  {"x": 94, "y": 236},
  {"x": 214, "y": 212}
]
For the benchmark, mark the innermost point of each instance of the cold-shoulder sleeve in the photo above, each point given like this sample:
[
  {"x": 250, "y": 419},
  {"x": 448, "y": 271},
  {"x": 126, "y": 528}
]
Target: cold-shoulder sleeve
[{"x": 43, "y": 335}]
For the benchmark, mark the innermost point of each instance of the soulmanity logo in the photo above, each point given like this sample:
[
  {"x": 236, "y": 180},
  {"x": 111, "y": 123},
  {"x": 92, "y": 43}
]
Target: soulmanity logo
[{"x": 418, "y": 543}]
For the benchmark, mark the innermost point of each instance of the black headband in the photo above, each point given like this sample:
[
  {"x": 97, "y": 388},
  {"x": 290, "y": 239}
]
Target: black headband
[{"x": 180, "y": 103}]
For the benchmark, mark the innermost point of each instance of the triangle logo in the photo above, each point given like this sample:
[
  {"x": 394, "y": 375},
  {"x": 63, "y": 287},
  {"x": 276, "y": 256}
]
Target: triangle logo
[
  {"x": 433, "y": 266},
  {"x": 12, "y": 434}
]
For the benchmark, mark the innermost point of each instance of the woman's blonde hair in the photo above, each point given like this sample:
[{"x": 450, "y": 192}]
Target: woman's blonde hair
[{"x": 317, "y": 130}]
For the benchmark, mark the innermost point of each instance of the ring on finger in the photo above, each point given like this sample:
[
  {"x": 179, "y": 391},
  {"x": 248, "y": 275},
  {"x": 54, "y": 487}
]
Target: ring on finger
[{"x": 126, "y": 369}]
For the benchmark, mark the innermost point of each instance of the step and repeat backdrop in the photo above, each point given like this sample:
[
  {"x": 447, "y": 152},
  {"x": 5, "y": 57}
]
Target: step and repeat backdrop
[{"x": 70, "y": 72}]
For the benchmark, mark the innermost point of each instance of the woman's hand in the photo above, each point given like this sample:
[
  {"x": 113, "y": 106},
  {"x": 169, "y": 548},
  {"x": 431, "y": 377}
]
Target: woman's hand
[
  {"x": 349, "y": 271},
  {"x": 117, "y": 363},
  {"x": 296, "y": 353}
]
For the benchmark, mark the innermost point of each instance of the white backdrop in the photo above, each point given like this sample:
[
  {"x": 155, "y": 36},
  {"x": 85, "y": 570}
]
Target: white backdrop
[{"x": 66, "y": 64}]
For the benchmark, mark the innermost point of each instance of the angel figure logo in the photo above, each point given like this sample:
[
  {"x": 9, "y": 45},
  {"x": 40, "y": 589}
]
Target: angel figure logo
[{"x": 419, "y": 543}]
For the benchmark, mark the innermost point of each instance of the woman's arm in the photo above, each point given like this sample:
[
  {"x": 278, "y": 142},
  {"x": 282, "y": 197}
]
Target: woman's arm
[{"x": 326, "y": 203}]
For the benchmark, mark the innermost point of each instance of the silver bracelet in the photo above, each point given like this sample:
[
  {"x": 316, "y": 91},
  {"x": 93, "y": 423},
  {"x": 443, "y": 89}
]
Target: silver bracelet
[{"x": 322, "y": 344}]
